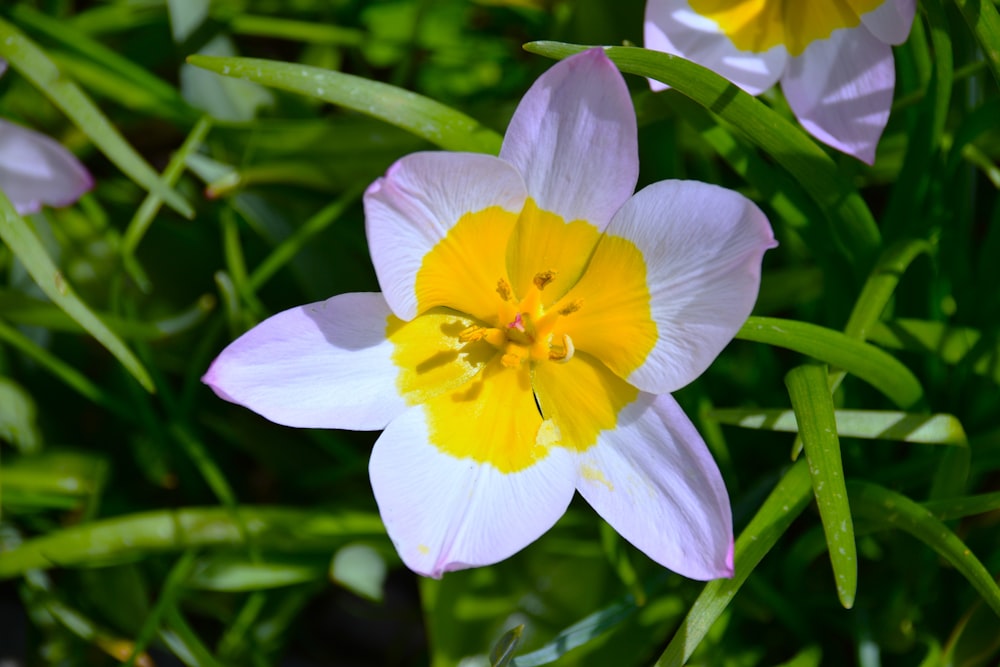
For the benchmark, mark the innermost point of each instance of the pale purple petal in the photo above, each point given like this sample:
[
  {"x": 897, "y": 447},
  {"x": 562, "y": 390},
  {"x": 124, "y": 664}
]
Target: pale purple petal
[
  {"x": 653, "y": 479},
  {"x": 37, "y": 171},
  {"x": 573, "y": 138},
  {"x": 891, "y": 21},
  {"x": 841, "y": 90},
  {"x": 445, "y": 513},
  {"x": 322, "y": 365},
  {"x": 417, "y": 202},
  {"x": 702, "y": 245},
  {"x": 673, "y": 27}
]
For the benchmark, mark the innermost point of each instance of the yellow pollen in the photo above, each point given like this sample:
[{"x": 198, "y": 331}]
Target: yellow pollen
[{"x": 511, "y": 360}]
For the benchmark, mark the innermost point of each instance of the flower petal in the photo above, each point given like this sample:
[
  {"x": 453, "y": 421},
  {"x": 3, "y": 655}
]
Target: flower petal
[
  {"x": 700, "y": 247},
  {"x": 673, "y": 27},
  {"x": 35, "y": 170},
  {"x": 462, "y": 206},
  {"x": 445, "y": 512},
  {"x": 573, "y": 138},
  {"x": 891, "y": 21},
  {"x": 654, "y": 480},
  {"x": 581, "y": 397},
  {"x": 322, "y": 365},
  {"x": 841, "y": 90}
]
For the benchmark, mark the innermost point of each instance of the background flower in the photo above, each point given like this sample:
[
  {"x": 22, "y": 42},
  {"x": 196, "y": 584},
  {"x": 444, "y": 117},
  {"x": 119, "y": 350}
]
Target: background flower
[
  {"x": 833, "y": 58},
  {"x": 37, "y": 171}
]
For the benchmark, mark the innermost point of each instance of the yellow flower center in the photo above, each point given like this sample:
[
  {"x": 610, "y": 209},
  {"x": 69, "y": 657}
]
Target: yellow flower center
[
  {"x": 525, "y": 330},
  {"x": 759, "y": 25}
]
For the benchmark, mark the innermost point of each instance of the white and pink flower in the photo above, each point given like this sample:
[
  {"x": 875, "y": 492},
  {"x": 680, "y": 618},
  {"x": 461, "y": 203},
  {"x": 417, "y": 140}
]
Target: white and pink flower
[{"x": 535, "y": 315}]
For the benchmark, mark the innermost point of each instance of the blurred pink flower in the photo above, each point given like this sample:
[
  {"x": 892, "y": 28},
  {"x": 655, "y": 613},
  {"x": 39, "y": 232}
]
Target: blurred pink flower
[
  {"x": 534, "y": 317},
  {"x": 37, "y": 171},
  {"x": 833, "y": 57}
]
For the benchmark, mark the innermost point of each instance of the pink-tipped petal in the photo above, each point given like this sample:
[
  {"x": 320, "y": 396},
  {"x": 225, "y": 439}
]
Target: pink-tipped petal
[
  {"x": 445, "y": 513},
  {"x": 654, "y": 480},
  {"x": 841, "y": 90},
  {"x": 702, "y": 247},
  {"x": 891, "y": 21},
  {"x": 414, "y": 206},
  {"x": 671, "y": 26},
  {"x": 322, "y": 365},
  {"x": 573, "y": 138},
  {"x": 37, "y": 171}
]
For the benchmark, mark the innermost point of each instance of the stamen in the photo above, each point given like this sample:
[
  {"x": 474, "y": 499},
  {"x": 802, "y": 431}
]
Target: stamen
[
  {"x": 571, "y": 307},
  {"x": 504, "y": 289},
  {"x": 542, "y": 279},
  {"x": 568, "y": 351},
  {"x": 472, "y": 334}
]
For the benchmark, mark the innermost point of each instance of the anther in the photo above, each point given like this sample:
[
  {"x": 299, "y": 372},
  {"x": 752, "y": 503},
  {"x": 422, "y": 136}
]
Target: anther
[
  {"x": 510, "y": 360},
  {"x": 472, "y": 334},
  {"x": 504, "y": 290},
  {"x": 571, "y": 307},
  {"x": 542, "y": 279},
  {"x": 567, "y": 352}
]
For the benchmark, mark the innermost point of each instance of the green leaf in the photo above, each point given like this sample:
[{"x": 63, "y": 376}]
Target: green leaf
[
  {"x": 424, "y": 117},
  {"x": 578, "y": 634},
  {"x": 274, "y": 528},
  {"x": 874, "y": 366},
  {"x": 25, "y": 244},
  {"x": 852, "y": 226},
  {"x": 503, "y": 650},
  {"x": 935, "y": 429},
  {"x": 233, "y": 574},
  {"x": 34, "y": 65},
  {"x": 785, "y": 502},
  {"x": 951, "y": 344},
  {"x": 813, "y": 406},
  {"x": 881, "y": 285},
  {"x": 892, "y": 510},
  {"x": 360, "y": 569},
  {"x": 984, "y": 21},
  {"x": 18, "y": 424}
]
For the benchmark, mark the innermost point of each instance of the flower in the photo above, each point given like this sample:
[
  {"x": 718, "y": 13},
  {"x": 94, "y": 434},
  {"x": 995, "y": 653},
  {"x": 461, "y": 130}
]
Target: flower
[
  {"x": 534, "y": 317},
  {"x": 833, "y": 57},
  {"x": 35, "y": 170}
]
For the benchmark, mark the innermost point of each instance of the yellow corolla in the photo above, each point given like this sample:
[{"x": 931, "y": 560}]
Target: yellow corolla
[
  {"x": 833, "y": 57},
  {"x": 534, "y": 317}
]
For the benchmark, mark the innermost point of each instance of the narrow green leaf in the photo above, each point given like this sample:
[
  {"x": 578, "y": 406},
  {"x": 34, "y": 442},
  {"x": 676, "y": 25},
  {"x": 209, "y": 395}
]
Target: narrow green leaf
[
  {"x": 276, "y": 528},
  {"x": 300, "y": 31},
  {"x": 957, "y": 508},
  {"x": 949, "y": 343},
  {"x": 34, "y": 65},
  {"x": 935, "y": 429},
  {"x": 984, "y": 21},
  {"x": 874, "y": 366},
  {"x": 167, "y": 597},
  {"x": 881, "y": 285},
  {"x": 25, "y": 244},
  {"x": 789, "y": 497},
  {"x": 424, "y": 117},
  {"x": 577, "y": 634},
  {"x": 890, "y": 509},
  {"x": 361, "y": 569},
  {"x": 813, "y": 407},
  {"x": 503, "y": 650},
  {"x": 228, "y": 573},
  {"x": 18, "y": 423},
  {"x": 851, "y": 222}
]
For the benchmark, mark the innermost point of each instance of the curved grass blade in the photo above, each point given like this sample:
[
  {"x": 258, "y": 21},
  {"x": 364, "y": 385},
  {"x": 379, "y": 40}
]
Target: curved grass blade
[
  {"x": 439, "y": 124},
  {"x": 984, "y": 21},
  {"x": 26, "y": 246},
  {"x": 578, "y": 634},
  {"x": 951, "y": 344},
  {"x": 34, "y": 65},
  {"x": 882, "y": 283},
  {"x": 503, "y": 650},
  {"x": 852, "y": 226},
  {"x": 813, "y": 406},
  {"x": 789, "y": 497},
  {"x": 879, "y": 369},
  {"x": 934, "y": 429},
  {"x": 958, "y": 508},
  {"x": 277, "y": 528},
  {"x": 890, "y": 509}
]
